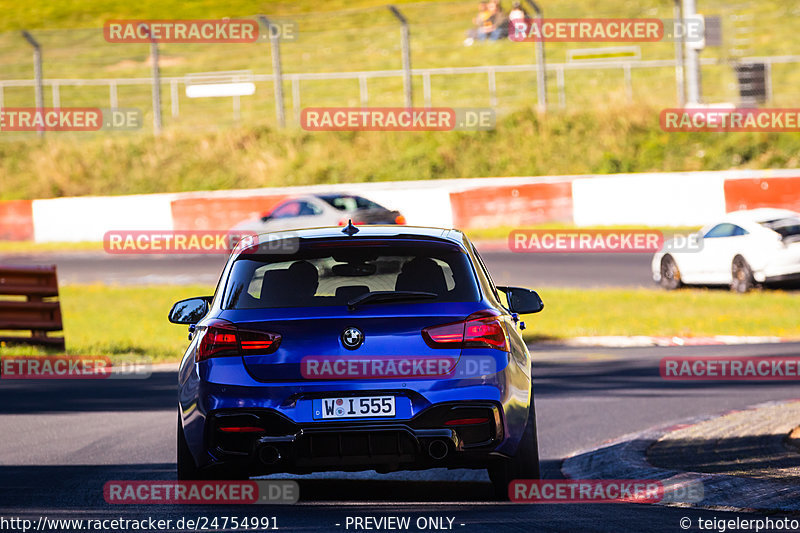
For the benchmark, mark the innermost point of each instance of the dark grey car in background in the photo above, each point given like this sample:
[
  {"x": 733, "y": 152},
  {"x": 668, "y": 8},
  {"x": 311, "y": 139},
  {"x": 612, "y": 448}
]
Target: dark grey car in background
[{"x": 314, "y": 211}]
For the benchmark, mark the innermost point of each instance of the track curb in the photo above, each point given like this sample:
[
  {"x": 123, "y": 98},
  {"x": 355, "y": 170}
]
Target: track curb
[{"x": 625, "y": 458}]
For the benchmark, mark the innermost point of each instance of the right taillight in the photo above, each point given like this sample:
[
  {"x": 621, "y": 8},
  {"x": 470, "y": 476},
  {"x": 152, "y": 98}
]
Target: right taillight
[
  {"x": 483, "y": 329},
  {"x": 258, "y": 342},
  {"x": 222, "y": 339}
]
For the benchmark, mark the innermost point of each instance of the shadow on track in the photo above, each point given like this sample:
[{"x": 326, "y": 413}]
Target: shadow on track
[
  {"x": 68, "y": 486},
  {"x": 638, "y": 375},
  {"x": 158, "y": 392}
]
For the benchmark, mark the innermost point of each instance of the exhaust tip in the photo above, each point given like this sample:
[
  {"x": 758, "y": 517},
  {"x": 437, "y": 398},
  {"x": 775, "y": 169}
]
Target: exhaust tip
[
  {"x": 269, "y": 455},
  {"x": 438, "y": 449}
]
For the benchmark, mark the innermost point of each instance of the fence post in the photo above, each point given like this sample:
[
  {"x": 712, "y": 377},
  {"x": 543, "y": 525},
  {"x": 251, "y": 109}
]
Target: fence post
[
  {"x": 541, "y": 68},
  {"x": 426, "y": 89},
  {"x": 692, "y": 58},
  {"x": 628, "y": 82},
  {"x": 174, "y": 104},
  {"x": 112, "y": 94},
  {"x": 156, "y": 81},
  {"x": 679, "y": 43},
  {"x": 37, "y": 73},
  {"x": 277, "y": 72},
  {"x": 296, "y": 99},
  {"x": 768, "y": 81},
  {"x": 407, "y": 88},
  {"x": 562, "y": 91},
  {"x": 492, "y": 88},
  {"x": 56, "y": 95},
  {"x": 363, "y": 91}
]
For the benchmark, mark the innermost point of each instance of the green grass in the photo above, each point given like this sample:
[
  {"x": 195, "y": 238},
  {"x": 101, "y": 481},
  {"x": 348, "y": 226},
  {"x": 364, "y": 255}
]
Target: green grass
[
  {"x": 615, "y": 136},
  {"x": 365, "y": 36},
  {"x": 100, "y": 320},
  {"x": 690, "y": 312},
  {"x": 524, "y": 144},
  {"x": 119, "y": 321},
  {"x": 25, "y": 247}
]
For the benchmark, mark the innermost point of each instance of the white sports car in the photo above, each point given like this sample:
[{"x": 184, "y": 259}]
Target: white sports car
[{"x": 741, "y": 250}]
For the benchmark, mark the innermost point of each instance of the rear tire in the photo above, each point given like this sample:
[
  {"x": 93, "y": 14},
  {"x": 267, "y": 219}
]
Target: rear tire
[
  {"x": 742, "y": 275},
  {"x": 524, "y": 465},
  {"x": 670, "y": 274},
  {"x": 187, "y": 469}
]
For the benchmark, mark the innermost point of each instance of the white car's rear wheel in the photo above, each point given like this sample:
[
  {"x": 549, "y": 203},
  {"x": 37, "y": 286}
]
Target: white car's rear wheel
[
  {"x": 670, "y": 275},
  {"x": 742, "y": 275}
]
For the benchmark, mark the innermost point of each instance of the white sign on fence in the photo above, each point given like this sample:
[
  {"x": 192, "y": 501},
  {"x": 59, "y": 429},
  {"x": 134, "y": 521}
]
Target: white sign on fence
[{"x": 216, "y": 84}]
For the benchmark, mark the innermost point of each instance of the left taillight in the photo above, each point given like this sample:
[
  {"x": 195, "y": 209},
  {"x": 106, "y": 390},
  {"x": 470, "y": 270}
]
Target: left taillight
[
  {"x": 221, "y": 338},
  {"x": 483, "y": 329}
]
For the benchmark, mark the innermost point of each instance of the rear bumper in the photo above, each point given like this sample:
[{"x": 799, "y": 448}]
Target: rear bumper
[
  {"x": 426, "y": 441},
  {"x": 206, "y": 395}
]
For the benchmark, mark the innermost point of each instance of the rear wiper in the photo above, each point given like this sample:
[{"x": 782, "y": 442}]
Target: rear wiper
[{"x": 386, "y": 296}]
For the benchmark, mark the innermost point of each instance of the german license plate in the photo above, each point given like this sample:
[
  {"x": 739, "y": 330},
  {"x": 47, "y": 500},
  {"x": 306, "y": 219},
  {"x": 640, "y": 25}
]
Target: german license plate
[{"x": 354, "y": 407}]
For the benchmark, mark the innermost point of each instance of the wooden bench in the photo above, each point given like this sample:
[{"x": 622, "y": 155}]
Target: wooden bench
[{"x": 39, "y": 312}]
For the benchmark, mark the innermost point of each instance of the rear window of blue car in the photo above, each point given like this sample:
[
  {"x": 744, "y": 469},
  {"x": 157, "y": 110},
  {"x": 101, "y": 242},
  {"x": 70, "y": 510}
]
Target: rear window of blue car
[{"x": 330, "y": 276}]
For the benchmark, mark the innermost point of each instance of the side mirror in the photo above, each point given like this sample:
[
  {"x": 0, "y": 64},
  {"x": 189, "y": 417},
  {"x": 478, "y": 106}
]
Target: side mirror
[
  {"x": 190, "y": 311},
  {"x": 266, "y": 216},
  {"x": 522, "y": 301}
]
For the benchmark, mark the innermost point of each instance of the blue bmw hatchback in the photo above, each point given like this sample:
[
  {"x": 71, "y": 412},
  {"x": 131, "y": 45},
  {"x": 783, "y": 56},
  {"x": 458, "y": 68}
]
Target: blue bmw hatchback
[{"x": 369, "y": 348}]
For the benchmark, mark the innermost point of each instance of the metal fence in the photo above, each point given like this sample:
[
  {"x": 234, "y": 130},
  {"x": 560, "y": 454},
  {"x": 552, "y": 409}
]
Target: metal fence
[{"x": 81, "y": 68}]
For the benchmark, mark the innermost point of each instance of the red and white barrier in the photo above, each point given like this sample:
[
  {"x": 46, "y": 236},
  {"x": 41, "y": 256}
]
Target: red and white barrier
[
  {"x": 16, "y": 220},
  {"x": 766, "y": 191},
  {"x": 646, "y": 199}
]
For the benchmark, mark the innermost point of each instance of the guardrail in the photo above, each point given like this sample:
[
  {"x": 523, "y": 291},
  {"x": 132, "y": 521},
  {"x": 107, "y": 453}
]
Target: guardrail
[{"x": 39, "y": 313}]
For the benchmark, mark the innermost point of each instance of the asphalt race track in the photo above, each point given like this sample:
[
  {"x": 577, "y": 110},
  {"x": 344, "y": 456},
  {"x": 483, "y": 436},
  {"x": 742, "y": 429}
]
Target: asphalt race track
[
  {"x": 532, "y": 270},
  {"x": 64, "y": 439}
]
